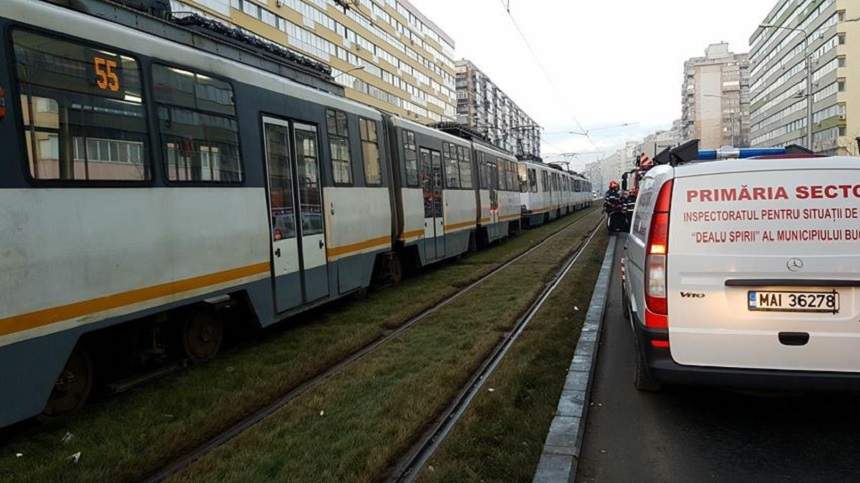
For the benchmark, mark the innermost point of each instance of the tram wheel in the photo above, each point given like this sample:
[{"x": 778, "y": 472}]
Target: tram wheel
[
  {"x": 202, "y": 334},
  {"x": 73, "y": 386}
]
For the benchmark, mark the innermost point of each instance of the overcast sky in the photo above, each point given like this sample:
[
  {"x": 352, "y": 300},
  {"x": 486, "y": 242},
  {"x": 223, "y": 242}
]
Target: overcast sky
[{"x": 611, "y": 62}]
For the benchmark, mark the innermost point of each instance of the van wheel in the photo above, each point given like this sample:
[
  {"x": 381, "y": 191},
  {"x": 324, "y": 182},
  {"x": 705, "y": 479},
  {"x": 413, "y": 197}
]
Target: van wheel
[
  {"x": 642, "y": 378},
  {"x": 74, "y": 385}
]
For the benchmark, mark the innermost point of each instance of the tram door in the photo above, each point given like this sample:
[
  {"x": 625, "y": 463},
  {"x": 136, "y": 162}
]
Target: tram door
[
  {"x": 493, "y": 173},
  {"x": 434, "y": 221},
  {"x": 298, "y": 237}
]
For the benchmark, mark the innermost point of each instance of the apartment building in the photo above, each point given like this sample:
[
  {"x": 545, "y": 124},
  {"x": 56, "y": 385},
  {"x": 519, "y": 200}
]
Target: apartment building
[
  {"x": 821, "y": 33},
  {"x": 656, "y": 142},
  {"x": 384, "y": 52},
  {"x": 616, "y": 164},
  {"x": 715, "y": 98},
  {"x": 485, "y": 108},
  {"x": 594, "y": 172}
]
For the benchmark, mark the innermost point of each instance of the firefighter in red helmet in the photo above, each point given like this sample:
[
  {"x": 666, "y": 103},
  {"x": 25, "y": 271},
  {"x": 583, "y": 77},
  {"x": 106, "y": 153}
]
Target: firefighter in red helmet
[{"x": 614, "y": 188}]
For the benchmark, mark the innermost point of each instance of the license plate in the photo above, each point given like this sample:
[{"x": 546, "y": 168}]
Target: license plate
[{"x": 770, "y": 301}]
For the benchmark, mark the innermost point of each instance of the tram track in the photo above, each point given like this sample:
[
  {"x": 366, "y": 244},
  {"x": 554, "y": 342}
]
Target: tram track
[
  {"x": 188, "y": 458},
  {"x": 409, "y": 466}
]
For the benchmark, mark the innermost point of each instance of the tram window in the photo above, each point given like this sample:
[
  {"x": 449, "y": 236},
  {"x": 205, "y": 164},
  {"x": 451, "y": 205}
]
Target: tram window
[
  {"x": 503, "y": 177},
  {"x": 513, "y": 184},
  {"x": 338, "y": 135},
  {"x": 307, "y": 173},
  {"x": 83, "y": 111},
  {"x": 523, "y": 177},
  {"x": 191, "y": 90},
  {"x": 199, "y": 147},
  {"x": 533, "y": 180},
  {"x": 483, "y": 171},
  {"x": 466, "y": 178},
  {"x": 411, "y": 158},
  {"x": 280, "y": 179},
  {"x": 199, "y": 133},
  {"x": 370, "y": 149},
  {"x": 452, "y": 166}
]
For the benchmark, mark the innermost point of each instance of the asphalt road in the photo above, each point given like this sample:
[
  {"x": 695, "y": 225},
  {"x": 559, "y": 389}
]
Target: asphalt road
[{"x": 700, "y": 434}]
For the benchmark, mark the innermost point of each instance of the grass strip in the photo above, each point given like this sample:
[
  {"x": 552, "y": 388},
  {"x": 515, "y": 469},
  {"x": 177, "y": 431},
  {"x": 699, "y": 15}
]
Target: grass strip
[
  {"x": 501, "y": 435},
  {"x": 129, "y": 436},
  {"x": 353, "y": 427}
]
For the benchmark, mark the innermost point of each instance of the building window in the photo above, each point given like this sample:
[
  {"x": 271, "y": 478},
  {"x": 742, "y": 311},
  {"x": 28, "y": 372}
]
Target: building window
[
  {"x": 83, "y": 111},
  {"x": 410, "y": 150},
  {"x": 338, "y": 135},
  {"x": 199, "y": 132},
  {"x": 370, "y": 149}
]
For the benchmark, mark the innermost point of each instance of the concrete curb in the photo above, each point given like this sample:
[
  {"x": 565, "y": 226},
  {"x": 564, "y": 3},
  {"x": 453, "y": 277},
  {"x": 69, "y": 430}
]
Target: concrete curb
[{"x": 564, "y": 440}]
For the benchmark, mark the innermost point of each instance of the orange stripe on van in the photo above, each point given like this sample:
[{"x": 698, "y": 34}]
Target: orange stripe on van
[
  {"x": 357, "y": 247},
  {"x": 41, "y": 318}
]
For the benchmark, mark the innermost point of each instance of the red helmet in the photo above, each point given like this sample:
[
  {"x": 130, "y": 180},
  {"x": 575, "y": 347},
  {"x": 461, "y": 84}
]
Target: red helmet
[{"x": 613, "y": 185}]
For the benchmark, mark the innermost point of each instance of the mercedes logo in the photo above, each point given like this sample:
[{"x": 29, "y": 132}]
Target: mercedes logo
[{"x": 795, "y": 265}]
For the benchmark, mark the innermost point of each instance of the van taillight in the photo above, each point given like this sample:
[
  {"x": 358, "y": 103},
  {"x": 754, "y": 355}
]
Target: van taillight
[{"x": 656, "y": 252}]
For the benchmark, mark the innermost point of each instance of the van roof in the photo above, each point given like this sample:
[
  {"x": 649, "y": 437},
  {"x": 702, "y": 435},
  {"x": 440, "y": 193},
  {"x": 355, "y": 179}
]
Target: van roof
[{"x": 762, "y": 164}]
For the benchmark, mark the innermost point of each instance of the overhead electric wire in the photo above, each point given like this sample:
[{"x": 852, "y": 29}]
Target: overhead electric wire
[{"x": 507, "y": 6}]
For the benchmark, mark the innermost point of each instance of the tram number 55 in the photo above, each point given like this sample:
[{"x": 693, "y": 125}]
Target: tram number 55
[{"x": 106, "y": 78}]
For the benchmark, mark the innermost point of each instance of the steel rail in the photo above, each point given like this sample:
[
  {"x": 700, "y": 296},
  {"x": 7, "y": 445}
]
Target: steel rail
[
  {"x": 409, "y": 467},
  {"x": 255, "y": 418}
]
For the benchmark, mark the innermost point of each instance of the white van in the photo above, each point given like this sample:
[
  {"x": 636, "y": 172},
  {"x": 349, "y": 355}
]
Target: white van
[{"x": 746, "y": 273}]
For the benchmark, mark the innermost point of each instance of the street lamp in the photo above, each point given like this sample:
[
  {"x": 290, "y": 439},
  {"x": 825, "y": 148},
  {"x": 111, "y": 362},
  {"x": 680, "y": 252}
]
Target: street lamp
[
  {"x": 807, "y": 55},
  {"x": 354, "y": 69}
]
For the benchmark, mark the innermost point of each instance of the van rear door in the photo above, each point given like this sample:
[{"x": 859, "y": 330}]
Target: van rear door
[{"x": 764, "y": 263}]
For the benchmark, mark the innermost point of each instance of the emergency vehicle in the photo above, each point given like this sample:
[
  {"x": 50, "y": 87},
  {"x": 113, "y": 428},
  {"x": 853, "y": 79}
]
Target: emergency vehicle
[{"x": 742, "y": 269}]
